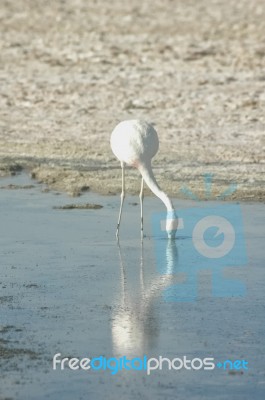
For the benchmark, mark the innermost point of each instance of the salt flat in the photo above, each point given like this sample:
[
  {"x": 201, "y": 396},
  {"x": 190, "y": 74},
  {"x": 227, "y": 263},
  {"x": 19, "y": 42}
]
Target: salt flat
[{"x": 70, "y": 71}]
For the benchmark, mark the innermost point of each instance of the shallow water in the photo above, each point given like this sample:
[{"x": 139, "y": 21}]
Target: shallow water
[{"x": 67, "y": 287}]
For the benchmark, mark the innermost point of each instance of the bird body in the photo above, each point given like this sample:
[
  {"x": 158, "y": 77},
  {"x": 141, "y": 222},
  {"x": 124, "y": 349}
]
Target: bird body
[{"x": 135, "y": 142}]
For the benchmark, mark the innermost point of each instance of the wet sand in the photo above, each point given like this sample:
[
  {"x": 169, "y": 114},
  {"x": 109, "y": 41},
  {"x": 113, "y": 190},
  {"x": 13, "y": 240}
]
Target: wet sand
[
  {"x": 71, "y": 70},
  {"x": 66, "y": 287}
]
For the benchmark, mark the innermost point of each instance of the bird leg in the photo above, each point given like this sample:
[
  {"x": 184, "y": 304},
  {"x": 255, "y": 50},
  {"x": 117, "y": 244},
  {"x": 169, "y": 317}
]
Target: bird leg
[
  {"x": 141, "y": 196},
  {"x": 122, "y": 199}
]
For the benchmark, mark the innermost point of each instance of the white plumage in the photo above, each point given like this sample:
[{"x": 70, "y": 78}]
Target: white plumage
[{"x": 135, "y": 143}]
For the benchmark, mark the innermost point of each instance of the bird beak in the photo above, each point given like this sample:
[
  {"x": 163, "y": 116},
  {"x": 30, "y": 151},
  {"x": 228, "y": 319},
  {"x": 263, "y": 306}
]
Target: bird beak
[{"x": 171, "y": 234}]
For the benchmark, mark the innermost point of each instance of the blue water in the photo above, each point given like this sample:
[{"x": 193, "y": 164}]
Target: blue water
[{"x": 68, "y": 288}]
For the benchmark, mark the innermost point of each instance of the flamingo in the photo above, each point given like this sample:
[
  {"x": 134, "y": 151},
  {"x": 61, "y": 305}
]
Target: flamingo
[
  {"x": 135, "y": 142},
  {"x": 135, "y": 324}
]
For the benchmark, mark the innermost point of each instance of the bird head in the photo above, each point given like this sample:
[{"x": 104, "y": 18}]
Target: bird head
[
  {"x": 172, "y": 224},
  {"x": 171, "y": 234}
]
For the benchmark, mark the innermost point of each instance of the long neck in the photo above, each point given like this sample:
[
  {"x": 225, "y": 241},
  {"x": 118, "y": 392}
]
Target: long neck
[{"x": 147, "y": 173}]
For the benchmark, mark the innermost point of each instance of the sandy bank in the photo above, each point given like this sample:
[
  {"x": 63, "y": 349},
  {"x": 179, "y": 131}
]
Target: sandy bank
[{"x": 71, "y": 70}]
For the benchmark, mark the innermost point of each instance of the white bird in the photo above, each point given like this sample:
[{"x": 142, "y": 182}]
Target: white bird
[
  {"x": 135, "y": 143},
  {"x": 135, "y": 324}
]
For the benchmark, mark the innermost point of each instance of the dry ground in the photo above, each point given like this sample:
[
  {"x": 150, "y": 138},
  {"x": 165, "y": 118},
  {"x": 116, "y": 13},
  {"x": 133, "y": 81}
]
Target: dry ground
[{"x": 70, "y": 70}]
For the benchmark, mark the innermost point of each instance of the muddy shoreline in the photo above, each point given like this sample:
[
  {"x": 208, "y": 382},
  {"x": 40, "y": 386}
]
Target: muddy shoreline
[{"x": 78, "y": 178}]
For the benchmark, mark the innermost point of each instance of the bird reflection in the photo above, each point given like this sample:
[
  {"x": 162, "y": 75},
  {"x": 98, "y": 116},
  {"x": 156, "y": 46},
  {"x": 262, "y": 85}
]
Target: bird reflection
[{"x": 136, "y": 319}]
